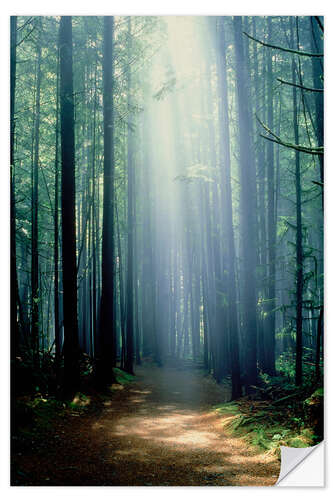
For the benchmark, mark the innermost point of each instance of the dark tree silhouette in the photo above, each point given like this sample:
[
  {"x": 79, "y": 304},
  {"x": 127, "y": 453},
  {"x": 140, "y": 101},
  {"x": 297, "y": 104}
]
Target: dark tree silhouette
[
  {"x": 105, "y": 343},
  {"x": 71, "y": 343}
]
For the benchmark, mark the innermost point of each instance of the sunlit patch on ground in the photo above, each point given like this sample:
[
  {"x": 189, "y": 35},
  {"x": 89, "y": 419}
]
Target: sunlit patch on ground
[
  {"x": 193, "y": 438},
  {"x": 139, "y": 392},
  {"x": 117, "y": 387},
  {"x": 166, "y": 407}
]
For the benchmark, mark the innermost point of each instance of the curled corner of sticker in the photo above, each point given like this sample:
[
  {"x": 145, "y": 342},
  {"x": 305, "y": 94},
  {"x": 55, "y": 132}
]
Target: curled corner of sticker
[{"x": 302, "y": 466}]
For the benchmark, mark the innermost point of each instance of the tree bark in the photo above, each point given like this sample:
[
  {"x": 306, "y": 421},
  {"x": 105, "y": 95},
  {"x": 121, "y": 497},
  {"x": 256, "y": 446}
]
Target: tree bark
[
  {"x": 130, "y": 216},
  {"x": 247, "y": 207},
  {"x": 227, "y": 225},
  {"x": 106, "y": 341},
  {"x": 271, "y": 222},
  {"x": 71, "y": 337},
  {"x": 35, "y": 292},
  {"x": 14, "y": 291},
  {"x": 57, "y": 337},
  {"x": 299, "y": 242}
]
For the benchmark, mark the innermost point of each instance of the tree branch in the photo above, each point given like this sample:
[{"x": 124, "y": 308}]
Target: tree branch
[
  {"x": 309, "y": 89},
  {"x": 320, "y": 23},
  {"x": 297, "y": 147},
  {"x": 284, "y": 49},
  {"x": 25, "y": 37}
]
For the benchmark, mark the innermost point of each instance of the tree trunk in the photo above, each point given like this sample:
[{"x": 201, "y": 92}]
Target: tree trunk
[
  {"x": 106, "y": 353},
  {"x": 35, "y": 292},
  {"x": 227, "y": 226},
  {"x": 14, "y": 292},
  {"x": 271, "y": 222},
  {"x": 299, "y": 242},
  {"x": 319, "y": 341},
  {"x": 130, "y": 192},
  {"x": 71, "y": 338},
  {"x": 247, "y": 207},
  {"x": 57, "y": 338},
  {"x": 317, "y": 76}
]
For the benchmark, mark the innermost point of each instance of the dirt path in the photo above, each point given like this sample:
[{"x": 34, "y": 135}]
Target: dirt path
[{"x": 157, "y": 431}]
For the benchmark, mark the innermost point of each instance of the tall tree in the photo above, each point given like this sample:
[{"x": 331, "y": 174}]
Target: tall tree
[
  {"x": 271, "y": 219},
  {"x": 15, "y": 324},
  {"x": 57, "y": 338},
  {"x": 227, "y": 223},
  {"x": 130, "y": 220},
  {"x": 247, "y": 207},
  {"x": 71, "y": 336},
  {"x": 105, "y": 341},
  {"x": 35, "y": 292},
  {"x": 317, "y": 77},
  {"x": 299, "y": 239}
]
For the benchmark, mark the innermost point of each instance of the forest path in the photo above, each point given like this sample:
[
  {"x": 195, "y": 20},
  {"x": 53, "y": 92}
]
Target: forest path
[{"x": 157, "y": 431}]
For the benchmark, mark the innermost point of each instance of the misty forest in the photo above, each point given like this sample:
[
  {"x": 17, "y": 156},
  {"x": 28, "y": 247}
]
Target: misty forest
[{"x": 166, "y": 195}]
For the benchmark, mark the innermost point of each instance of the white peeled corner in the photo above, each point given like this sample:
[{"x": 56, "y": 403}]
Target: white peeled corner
[{"x": 302, "y": 466}]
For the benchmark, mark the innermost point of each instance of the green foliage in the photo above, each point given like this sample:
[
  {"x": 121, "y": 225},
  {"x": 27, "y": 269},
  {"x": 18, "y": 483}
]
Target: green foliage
[
  {"x": 123, "y": 377},
  {"x": 80, "y": 401},
  {"x": 230, "y": 407},
  {"x": 318, "y": 392},
  {"x": 266, "y": 433},
  {"x": 285, "y": 365},
  {"x": 34, "y": 416},
  {"x": 283, "y": 224},
  {"x": 281, "y": 415}
]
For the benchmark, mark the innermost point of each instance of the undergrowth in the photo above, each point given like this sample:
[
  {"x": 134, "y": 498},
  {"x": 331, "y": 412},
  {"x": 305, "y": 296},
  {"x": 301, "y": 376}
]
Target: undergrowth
[
  {"x": 123, "y": 377},
  {"x": 277, "y": 414},
  {"x": 34, "y": 415},
  {"x": 262, "y": 429}
]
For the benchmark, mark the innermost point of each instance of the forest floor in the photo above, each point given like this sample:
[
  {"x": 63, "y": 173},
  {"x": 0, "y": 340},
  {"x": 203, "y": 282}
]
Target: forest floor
[{"x": 158, "y": 430}]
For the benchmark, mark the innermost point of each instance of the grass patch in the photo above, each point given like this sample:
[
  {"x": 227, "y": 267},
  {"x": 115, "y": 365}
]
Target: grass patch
[
  {"x": 122, "y": 377},
  {"x": 229, "y": 408}
]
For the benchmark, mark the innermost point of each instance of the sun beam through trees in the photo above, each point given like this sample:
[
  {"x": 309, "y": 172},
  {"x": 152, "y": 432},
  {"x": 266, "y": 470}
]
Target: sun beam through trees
[{"x": 167, "y": 207}]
